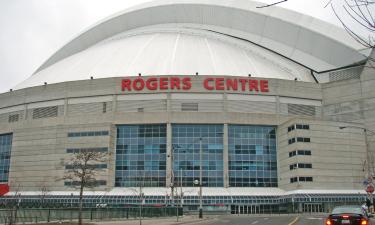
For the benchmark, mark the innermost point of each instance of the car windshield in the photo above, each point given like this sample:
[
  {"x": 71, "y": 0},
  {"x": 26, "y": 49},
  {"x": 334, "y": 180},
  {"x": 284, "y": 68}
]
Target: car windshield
[{"x": 347, "y": 209}]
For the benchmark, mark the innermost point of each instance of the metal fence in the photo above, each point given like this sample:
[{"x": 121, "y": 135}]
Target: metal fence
[{"x": 12, "y": 216}]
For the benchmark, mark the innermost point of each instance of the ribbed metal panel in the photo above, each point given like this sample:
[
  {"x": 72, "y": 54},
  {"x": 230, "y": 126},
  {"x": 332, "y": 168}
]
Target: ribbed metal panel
[
  {"x": 203, "y": 105},
  {"x": 89, "y": 108},
  {"x": 142, "y": 106},
  {"x": 297, "y": 109},
  {"x": 45, "y": 112},
  {"x": 251, "y": 107}
]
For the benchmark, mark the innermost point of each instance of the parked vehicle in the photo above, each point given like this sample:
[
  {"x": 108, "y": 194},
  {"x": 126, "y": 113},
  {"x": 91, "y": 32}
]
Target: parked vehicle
[{"x": 348, "y": 215}]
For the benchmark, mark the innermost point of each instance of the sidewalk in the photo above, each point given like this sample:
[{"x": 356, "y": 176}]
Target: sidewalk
[{"x": 159, "y": 221}]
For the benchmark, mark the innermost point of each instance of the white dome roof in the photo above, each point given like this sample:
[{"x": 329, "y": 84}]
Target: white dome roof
[{"x": 209, "y": 37}]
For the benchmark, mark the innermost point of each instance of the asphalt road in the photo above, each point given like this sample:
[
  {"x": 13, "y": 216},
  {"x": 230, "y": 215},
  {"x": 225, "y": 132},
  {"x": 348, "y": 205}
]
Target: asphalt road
[{"x": 265, "y": 220}]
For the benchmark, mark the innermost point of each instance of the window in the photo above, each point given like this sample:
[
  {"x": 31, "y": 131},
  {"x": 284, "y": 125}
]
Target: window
[
  {"x": 88, "y": 133},
  {"x": 305, "y": 179},
  {"x": 141, "y": 155},
  {"x": 298, "y": 139},
  {"x": 5, "y": 150},
  {"x": 77, "y": 183},
  {"x": 252, "y": 156},
  {"x": 186, "y": 149},
  {"x": 301, "y": 179},
  {"x": 78, "y": 150},
  {"x": 302, "y": 127},
  {"x": 95, "y": 166},
  {"x": 298, "y": 127},
  {"x": 304, "y": 152},
  {"x": 299, "y": 152},
  {"x": 300, "y": 165}
]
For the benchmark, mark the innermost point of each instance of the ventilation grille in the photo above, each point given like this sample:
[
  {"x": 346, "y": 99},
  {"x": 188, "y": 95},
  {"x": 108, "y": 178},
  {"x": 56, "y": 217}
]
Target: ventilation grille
[
  {"x": 142, "y": 106},
  {"x": 296, "y": 109},
  {"x": 346, "y": 74},
  {"x": 195, "y": 105},
  {"x": 89, "y": 108},
  {"x": 251, "y": 107},
  {"x": 189, "y": 107},
  {"x": 13, "y": 118},
  {"x": 45, "y": 112}
]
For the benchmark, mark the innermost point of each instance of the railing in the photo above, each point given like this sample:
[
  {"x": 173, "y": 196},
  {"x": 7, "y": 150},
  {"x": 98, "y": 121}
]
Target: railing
[{"x": 13, "y": 216}]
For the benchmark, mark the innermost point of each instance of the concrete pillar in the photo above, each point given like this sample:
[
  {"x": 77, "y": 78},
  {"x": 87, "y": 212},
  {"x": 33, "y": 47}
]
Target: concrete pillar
[
  {"x": 65, "y": 107},
  {"x": 225, "y": 156},
  {"x": 114, "y": 103},
  {"x": 169, "y": 164}
]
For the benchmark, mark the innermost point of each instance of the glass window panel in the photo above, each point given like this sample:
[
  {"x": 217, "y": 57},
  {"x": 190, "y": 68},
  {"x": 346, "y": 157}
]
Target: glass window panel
[
  {"x": 186, "y": 148},
  {"x": 145, "y": 157},
  {"x": 5, "y": 149},
  {"x": 252, "y": 156}
]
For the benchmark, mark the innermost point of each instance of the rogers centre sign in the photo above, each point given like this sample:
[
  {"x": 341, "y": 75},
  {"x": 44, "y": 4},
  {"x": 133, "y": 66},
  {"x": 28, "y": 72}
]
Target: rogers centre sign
[{"x": 184, "y": 83}]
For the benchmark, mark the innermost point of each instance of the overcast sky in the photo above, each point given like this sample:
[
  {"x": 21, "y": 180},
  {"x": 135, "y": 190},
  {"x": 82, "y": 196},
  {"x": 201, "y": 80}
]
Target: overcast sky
[{"x": 32, "y": 30}]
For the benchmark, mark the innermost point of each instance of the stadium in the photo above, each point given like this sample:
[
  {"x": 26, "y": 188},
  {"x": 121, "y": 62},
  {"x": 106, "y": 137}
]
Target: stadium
[{"x": 270, "y": 109}]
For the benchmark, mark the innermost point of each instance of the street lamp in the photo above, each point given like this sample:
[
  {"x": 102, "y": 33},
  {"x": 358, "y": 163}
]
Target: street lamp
[
  {"x": 200, "y": 182},
  {"x": 368, "y": 167}
]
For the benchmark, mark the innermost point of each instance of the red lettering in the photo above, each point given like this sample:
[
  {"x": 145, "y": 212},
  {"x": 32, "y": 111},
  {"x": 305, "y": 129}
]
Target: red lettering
[
  {"x": 243, "y": 84},
  {"x": 152, "y": 84},
  {"x": 175, "y": 83},
  {"x": 126, "y": 84},
  {"x": 264, "y": 86},
  {"x": 232, "y": 84},
  {"x": 163, "y": 83},
  {"x": 219, "y": 83},
  {"x": 186, "y": 81},
  {"x": 253, "y": 85},
  {"x": 138, "y": 84},
  {"x": 207, "y": 85}
]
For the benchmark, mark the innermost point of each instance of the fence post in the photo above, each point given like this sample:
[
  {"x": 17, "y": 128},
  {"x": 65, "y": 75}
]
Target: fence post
[
  {"x": 49, "y": 214},
  {"x": 91, "y": 214}
]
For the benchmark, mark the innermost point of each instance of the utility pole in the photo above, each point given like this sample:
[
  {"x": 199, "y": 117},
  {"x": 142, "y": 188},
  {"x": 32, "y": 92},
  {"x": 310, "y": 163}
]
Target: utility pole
[
  {"x": 369, "y": 175},
  {"x": 200, "y": 179}
]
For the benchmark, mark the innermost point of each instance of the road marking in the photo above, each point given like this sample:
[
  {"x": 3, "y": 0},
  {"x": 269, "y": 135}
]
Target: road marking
[
  {"x": 294, "y": 221},
  {"x": 255, "y": 222},
  {"x": 314, "y": 218},
  {"x": 265, "y": 218}
]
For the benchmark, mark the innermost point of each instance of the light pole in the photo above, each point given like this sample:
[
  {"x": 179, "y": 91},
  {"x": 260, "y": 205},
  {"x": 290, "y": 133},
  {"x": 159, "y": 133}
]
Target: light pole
[
  {"x": 200, "y": 182},
  {"x": 369, "y": 175}
]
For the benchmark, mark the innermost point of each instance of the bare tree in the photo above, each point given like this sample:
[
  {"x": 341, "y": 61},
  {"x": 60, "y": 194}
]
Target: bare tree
[
  {"x": 82, "y": 173},
  {"x": 44, "y": 190},
  {"x": 15, "y": 204},
  {"x": 357, "y": 18}
]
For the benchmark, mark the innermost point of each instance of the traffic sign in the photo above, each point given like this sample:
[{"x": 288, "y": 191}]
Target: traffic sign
[{"x": 370, "y": 188}]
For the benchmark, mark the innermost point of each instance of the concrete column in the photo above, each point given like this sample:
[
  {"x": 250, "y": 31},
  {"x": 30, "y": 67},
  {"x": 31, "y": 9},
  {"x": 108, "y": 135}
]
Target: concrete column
[
  {"x": 225, "y": 156},
  {"x": 65, "y": 107},
  {"x": 25, "y": 112},
  {"x": 169, "y": 171},
  {"x": 114, "y": 103}
]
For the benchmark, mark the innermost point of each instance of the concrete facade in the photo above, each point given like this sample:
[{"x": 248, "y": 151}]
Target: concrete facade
[{"x": 338, "y": 155}]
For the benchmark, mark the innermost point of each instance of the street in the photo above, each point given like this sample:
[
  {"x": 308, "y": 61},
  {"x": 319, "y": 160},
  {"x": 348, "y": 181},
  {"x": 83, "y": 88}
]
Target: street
[
  {"x": 267, "y": 220},
  {"x": 229, "y": 220}
]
